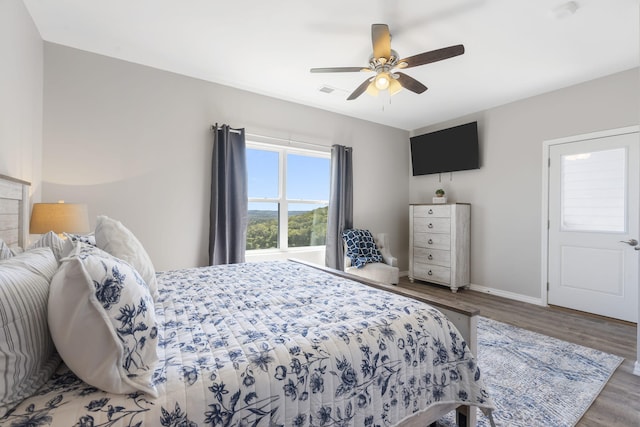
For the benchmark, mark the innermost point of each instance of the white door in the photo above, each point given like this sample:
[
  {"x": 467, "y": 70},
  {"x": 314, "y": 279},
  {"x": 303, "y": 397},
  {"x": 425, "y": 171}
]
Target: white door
[{"x": 593, "y": 225}]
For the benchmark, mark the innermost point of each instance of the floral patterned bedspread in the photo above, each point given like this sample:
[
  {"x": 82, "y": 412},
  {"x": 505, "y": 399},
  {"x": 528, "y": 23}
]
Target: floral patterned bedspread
[{"x": 277, "y": 344}]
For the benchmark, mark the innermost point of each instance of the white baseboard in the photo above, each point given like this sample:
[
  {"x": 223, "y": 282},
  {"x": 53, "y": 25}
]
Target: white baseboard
[
  {"x": 636, "y": 368},
  {"x": 509, "y": 295},
  {"x": 500, "y": 293}
]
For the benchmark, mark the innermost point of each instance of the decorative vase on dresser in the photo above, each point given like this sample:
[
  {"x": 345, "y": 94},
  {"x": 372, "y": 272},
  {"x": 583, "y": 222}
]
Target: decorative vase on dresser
[{"x": 439, "y": 244}]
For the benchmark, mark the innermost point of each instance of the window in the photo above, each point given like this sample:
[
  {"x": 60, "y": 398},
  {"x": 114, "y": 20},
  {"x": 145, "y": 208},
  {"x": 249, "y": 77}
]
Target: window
[
  {"x": 288, "y": 197},
  {"x": 593, "y": 187}
]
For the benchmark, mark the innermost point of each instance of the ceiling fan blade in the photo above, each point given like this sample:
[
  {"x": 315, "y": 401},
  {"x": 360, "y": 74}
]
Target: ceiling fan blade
[
  {"x": 410, "y": 83},
  {"x": 432, "y": 56},
  {"x": 360, "y": 90},
  {"x": 381, "y": 40},
  {"x": 339, "y": 70}
]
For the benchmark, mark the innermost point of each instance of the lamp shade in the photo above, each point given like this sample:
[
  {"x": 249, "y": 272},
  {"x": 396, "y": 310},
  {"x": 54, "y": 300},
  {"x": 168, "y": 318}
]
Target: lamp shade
[{"x": 59, "y": 218}]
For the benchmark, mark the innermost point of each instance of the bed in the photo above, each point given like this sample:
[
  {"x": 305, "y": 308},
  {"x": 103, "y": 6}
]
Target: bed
[{"x": 279, "y": 343}]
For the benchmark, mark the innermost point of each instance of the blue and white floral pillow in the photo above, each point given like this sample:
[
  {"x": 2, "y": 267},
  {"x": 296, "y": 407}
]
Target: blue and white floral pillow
[
  {"x": 89, "y": 239},
  {"x": 113, "y": 237},
  {"x": 361, "y": 247},
  {"x": 102, "y": 320}
]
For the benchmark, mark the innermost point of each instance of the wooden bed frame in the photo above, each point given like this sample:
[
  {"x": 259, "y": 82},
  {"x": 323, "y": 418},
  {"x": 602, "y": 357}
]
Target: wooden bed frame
[
  {"x": 463, "y": 316},
  {"x": 14, "y": 230},
  {"x": 14, "y": 211}
]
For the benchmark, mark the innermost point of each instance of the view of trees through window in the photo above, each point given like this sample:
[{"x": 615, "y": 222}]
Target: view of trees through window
[
  {"x": 306, "y": 228},
  {"x": 290, "y": 188}
]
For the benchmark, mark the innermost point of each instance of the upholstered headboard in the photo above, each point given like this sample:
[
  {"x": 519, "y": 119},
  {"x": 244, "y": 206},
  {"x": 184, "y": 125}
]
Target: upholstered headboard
[{"x": 14, "y": 211}]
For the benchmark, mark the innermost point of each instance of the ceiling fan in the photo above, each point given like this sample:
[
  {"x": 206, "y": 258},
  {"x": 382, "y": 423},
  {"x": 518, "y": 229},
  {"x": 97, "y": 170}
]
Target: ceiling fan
[{"x": 384, "y": 61}]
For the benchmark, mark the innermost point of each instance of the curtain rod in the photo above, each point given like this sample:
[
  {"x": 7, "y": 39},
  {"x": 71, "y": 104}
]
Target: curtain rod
[
  {"x": 273, "y": 138},
  {"x": 289, "y": 141},
  {"x": 232, "y": 130}
]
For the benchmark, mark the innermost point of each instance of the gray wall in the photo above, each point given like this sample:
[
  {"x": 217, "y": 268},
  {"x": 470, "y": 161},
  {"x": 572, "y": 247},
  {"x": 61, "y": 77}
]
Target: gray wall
[
  {"x": 505, "y": 193},
  {"x": 20, "y": 95},
  {"x": 134, "y": 143}
]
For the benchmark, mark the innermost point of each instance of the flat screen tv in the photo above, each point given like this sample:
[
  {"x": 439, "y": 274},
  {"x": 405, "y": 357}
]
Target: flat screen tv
[{"x": 447, "y": 150}]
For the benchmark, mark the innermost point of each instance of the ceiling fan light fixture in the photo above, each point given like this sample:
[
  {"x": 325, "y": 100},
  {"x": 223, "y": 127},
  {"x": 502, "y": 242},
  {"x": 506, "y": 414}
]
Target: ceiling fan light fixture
[
  {"x": 372, "y": 89},
  {"x": 382, "y": 81},
  {"x": 394, "y": 86},
  {"x": 385, "y": 62}
]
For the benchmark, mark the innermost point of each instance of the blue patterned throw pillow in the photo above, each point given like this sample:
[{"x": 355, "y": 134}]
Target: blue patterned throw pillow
[
  {"x": 102, "y": 320},
  {"x": 361, "y": 247},
  {"x": 368, "y": 248},
  {"x": 351, "y": 239}
]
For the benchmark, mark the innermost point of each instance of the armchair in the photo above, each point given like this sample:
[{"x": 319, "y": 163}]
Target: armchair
[{"x": 386, "y": 271}]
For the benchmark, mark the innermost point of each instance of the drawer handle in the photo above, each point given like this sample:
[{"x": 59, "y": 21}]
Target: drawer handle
[
  {"x": 430, "y": 241},
  {"x": 430, "y": 273},
  {"x": 430, "y": 257},
  {"x": 430, "y": 225},
  {"x": 430, "y": 211}
]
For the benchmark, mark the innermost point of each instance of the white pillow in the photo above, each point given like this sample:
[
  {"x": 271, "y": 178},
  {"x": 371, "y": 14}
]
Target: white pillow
[
  {"x": 113, "y": 237},
  {"x": 27, "y": 354},
  {"x": 102, "y": 320},
  {"x": 5, "y": 250},
  {"x": 51, "y": 240}
]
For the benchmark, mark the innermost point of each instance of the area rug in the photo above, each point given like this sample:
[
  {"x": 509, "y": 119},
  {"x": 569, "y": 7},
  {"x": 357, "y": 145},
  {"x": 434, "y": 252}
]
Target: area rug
[{"x": 536, "y": 380}]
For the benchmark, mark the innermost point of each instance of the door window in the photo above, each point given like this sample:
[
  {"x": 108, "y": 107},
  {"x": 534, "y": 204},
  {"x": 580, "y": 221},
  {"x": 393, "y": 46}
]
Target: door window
[{"x": 593, "y": 190}]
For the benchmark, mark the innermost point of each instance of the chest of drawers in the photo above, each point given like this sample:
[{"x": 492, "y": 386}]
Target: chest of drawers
[{"x": 439, "y": 244}]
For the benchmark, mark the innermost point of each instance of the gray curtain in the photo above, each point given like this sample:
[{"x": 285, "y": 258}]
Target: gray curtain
[
  {"x": 340, "y": 214},
  {"x": 229, "y": 200}
]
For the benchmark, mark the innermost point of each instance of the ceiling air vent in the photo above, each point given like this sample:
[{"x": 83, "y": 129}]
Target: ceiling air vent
[{"x": 326, "y": 89}]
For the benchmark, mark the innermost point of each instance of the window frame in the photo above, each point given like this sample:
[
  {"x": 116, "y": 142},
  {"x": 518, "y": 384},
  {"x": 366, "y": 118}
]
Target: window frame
[{"x": 282, "y": 201}]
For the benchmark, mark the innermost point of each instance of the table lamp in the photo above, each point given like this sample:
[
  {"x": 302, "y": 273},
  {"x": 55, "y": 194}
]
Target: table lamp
[{"x": 60, "y": 218}]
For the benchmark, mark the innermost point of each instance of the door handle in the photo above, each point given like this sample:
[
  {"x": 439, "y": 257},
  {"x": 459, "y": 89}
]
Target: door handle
[{"x": 630, "y": 242}]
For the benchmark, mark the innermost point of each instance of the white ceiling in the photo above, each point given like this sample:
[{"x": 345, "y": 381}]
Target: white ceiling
[{"x": 514, "y": 48}]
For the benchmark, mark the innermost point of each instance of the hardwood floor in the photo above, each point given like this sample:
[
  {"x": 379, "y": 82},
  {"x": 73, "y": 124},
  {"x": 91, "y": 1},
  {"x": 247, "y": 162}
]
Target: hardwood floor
[{"x": 619, "y": 402}]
